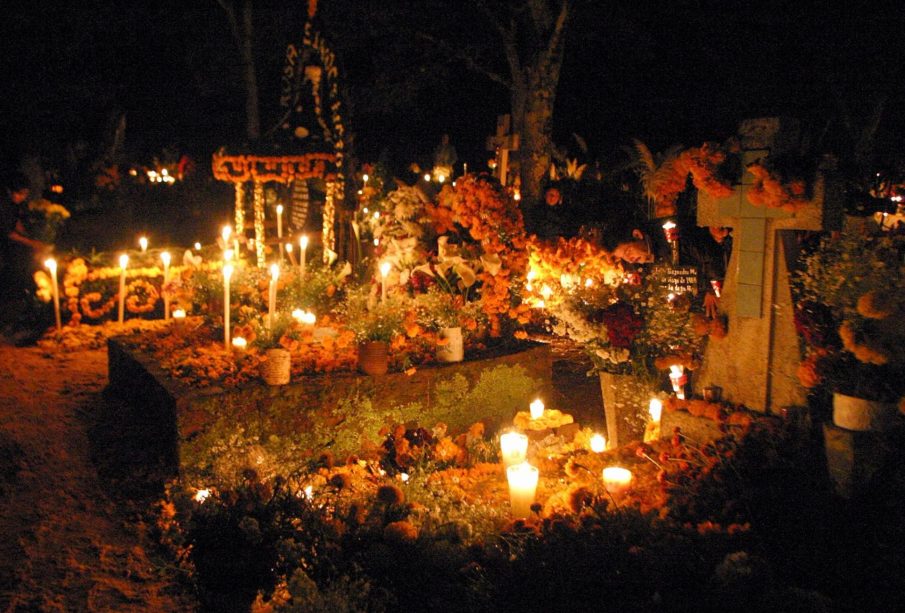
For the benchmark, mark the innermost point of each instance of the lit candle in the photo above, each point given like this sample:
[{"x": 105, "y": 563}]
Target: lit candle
[
  {"x": 225, "y": 233},
  {"x": 227, "y": 273},
  {"x": 365, "y": 178},
  {"x": 178, "y": 315},
  {"x": 51, "y": 265},
  {"x": 280, "y": 230},
  {"x": 384, "y": 272},
  {"x": 123, "y": 262},
  {"x": 304, "y": 317},
  {"x": 652, "y": 429},
  {"x": 672, "y": 237},
  {"x": 522, "y": 487},
  {"x": 143, "y": 243},
  {"x": 616, "y": 479},
  {"x": 228, "y": 255},
  {"x": 303, "y": 251},
  {"x": 598, "y": 443},
  {"x": 197, "y": 246},
  {"x": 513, "y": 448},
  {"x": 537, "y": 409},
  {"x": 272, "y": 296},
  {"x": 165, "y": 256},
  {"x": 678, "y": 378},
  {"x": 289, "y": 252},
  {"x": 239, "y": 343}
]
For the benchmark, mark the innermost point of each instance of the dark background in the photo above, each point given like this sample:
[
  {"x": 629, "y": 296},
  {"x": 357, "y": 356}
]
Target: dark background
[{"x": 666, "y": 73}]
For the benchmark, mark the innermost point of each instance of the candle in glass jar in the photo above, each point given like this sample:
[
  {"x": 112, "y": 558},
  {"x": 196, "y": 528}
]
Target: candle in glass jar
[
  {"x": 537, "y": 409},
  {"x": 522, "y": 488},
  {"x": 513, "y": 448},
  {"x": 123, "y": 263},
  {"x": 616, "y": 479},
  {"x": 51, "y": 265}
]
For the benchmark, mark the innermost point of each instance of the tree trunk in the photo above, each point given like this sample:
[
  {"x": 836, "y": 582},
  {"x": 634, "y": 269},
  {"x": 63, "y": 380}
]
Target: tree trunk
[
  {"x": 246, "y": 48},
  {"x": 534, "y": 124}
]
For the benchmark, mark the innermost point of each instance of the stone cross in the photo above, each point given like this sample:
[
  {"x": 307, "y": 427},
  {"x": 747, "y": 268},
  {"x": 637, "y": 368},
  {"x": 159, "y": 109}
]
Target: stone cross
[
  {"x": 502, "y": 143},
  {"x": 755, "y": 363}
]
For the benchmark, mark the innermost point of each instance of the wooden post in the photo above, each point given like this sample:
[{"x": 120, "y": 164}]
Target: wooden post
[{"x": 502, "y": 143}]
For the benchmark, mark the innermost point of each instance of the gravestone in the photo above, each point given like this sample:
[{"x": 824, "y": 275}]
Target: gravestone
[{"x": 756, "y": 363}]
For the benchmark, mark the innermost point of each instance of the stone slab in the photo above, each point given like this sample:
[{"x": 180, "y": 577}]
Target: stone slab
[
  {"x": 700, "y": 430},
  {"x": 338, "y": 411},
  {"x": 852, "y": 458}
]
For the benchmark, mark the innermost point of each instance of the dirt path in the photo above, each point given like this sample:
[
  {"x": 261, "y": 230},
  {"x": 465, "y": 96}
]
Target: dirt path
[{"x": 65, "y": 543}]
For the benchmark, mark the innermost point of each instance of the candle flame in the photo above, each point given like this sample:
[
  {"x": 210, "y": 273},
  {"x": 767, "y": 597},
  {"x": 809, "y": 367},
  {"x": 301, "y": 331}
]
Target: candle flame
[
  {"x": 227, "y": 271},
  {"x": 51, "y": 264},
  {"x": 197, "y": 246},
  {"x": 303, "y": 242},
  {"x": 226, "y": 232},
  {"x": 288, "y": 247},
  {"x": 143, "y": 243},
  {"x": 537, "y": 408},
  {"x": 123, "y": 260},
  {"x": 202, "y": 495},
  {"x": 279, "y": 209},
  {"x": 385, "y": 268},
  {"x": 655, "y": 409},
  {"x": 179, "y": 314},
  {"x": 598, "y": 443},
  {"x": 165, "y": 256},
  {"x": 274, "y": 272}
]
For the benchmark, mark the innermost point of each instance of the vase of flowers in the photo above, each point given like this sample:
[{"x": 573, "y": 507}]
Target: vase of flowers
[
  {"x": 275, "y": 340},
  {"x": 451, "y": 347},
  {"x": 373, "y": 357},
  {"x": 375, "y": 323},
  {"x": 276, "y": 366},
  {"x": 851, "y": 320}
]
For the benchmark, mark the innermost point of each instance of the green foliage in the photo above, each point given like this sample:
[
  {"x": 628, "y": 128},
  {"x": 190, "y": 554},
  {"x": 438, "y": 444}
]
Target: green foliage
[{"x": 372, "y": 319}]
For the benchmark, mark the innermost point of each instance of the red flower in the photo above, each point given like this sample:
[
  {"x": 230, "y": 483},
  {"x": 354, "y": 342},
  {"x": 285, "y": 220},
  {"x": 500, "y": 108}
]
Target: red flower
[{"x": 622, "y": 324}]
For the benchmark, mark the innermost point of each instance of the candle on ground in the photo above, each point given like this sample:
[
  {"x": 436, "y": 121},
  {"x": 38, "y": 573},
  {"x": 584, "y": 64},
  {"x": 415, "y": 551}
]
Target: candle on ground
[
  {"x": 522, "y": 487},
  {"x": 616, "y": 479},
  {"x": 272, "y": 295},
  {"x": 165, "y": 256},
  {"x": 384, "y": 272},
  {"x": 652, "y": 429},
  {"x": 51, "y": 265},
  {"x": 537, "y": 408},
  {"x": 598, "y": 443},
  {"x": 123, "y": 263},
  {"x": 227, "y": 274},
  {"x": 513, "y": 448}
]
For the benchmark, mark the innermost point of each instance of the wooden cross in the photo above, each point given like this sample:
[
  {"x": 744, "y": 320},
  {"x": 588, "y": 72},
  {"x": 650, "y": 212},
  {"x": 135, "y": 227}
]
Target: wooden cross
[
  {"x": 756, "y": 363},
  {"x": 502, "y": 143}
]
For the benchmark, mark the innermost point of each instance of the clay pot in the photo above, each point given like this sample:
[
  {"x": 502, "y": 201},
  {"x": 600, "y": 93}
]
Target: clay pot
[
  {"x": 862, "y": 415},
  {"x": 454, "y": 349},
  {"x": 276, "y": 367},
  {"x": 373, "y": 358}
]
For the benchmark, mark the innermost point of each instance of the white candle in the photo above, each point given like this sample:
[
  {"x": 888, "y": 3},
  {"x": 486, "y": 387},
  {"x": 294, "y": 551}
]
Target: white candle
[
  {"x": 513, "y": 448},
  {"x": 165, "y": 256},
  {"x": 655, "y": 409},
  {"x": 537, "y": 409},
  {"x": 123, "y": 263},
  {"x": 303, "y": 251},
  {"x": 652, "y": 429},
  {"x": 279, "y": 221},
  {"x": 51, "y": 265},
  {"x": 227, "y": 273},
  {"x": 384, "y": 272},
  {"x": 240, "y": 343},
  {"x": 178, "y": 315},
  {"x": 598, "y": 443},
  {"x": 143, "y": 243},
  {"x": 522, "y": 487},
  {"x": 616, "y": 479},
  {"x": 197, "y": 246},
  {"x": 272, "y": 295},
  {"x": 678, "y": 378}
]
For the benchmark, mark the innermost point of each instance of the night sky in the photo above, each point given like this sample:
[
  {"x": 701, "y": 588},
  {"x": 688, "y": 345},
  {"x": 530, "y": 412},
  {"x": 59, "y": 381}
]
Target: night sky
[{"x": 667, "y": 73}]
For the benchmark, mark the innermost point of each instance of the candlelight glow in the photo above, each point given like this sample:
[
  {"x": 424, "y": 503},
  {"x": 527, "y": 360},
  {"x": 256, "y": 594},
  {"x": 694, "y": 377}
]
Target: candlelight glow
[
  {"x": 228, "y": 255},
  {"x": 669, "y": 225},
  {"x": 166, "y": 258},
  {"x": 279, "y": 209},
  {"x": 240, "y": 343},
  {"x": 616, "y": 479},
  {"x": 537, "y": 409},
  {"x": 598, "y": 443},
  {"x": 274, "y": 271},
  {"x": 513, "y": 448},
  {"x": 288, "y": 247},
  {"x": 303, "y": 242},
  {"x": 385, "y": 268},
  {"x": 227, "y": 272},
  {"x": 123, "y": 260},
  {"x": 143, "y": 243},
  {"x": 304, "y": 317},
  {"x": 225, "y": 233},
  {"x": 202, "y": 495},
  {"x": 179, "y": 314},
  {"x": 365, "y": 178},
  {"x": 655, "y": 409},
  {"x": 522, "y": 487},
  {"x": 546, "y": 291},
  {"x": 197, "y": 246},
  {"x": 427, "y": 177},
  {"x": 51, "y": 265}
]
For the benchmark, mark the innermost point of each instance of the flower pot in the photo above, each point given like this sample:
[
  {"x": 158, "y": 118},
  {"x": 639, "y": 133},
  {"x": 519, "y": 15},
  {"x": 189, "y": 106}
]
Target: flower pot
[
  {"x": 373, "y": 358},
  {"x": 276, "y": 366},
  {"x": 862, "y": 415},
  {"x": 454, "y": 349}
]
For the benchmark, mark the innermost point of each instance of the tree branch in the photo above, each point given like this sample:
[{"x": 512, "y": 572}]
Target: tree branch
[
  {"x": 559, "y": 28},
  {"x": 470, "y": 61}
]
